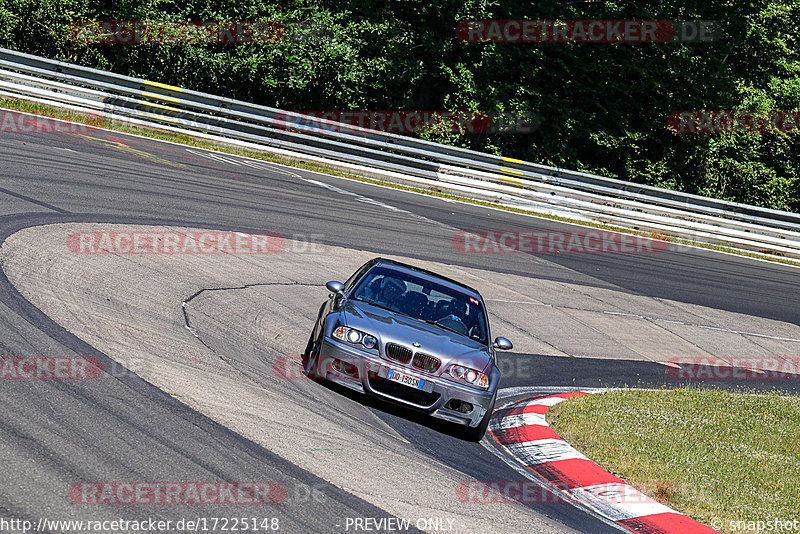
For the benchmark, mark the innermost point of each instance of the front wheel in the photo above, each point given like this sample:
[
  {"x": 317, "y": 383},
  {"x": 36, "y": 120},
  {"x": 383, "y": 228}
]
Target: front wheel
[
  {"x": 310, "y": 357},
  {"x": 477, "y": 433}
]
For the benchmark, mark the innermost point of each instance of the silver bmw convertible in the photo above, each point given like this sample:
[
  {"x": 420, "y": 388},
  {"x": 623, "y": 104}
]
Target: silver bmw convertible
[{"x": 412, "y": 337}]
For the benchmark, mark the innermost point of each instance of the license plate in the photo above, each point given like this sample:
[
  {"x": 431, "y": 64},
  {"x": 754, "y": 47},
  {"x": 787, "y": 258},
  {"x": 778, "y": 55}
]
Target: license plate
[{"x": 406, "y": 380}]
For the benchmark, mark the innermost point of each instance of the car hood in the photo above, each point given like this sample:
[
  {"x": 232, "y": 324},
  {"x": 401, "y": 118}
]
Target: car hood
[{"x": 389, "y": 326}]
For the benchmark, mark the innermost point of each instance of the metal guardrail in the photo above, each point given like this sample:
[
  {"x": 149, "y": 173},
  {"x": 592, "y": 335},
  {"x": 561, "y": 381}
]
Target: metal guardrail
[{"x": 400, "y": 158}]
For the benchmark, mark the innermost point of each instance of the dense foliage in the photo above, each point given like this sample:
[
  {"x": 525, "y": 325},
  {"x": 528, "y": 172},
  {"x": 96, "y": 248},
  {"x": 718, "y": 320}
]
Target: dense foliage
[{"x": 602, "y": 107}]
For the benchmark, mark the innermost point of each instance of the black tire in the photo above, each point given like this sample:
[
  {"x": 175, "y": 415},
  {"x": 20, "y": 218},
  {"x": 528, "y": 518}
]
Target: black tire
[
  {"x": 309, "y": 346},
  {"x": 310, "y": 359},
  {"x": 476, "y": 434}
]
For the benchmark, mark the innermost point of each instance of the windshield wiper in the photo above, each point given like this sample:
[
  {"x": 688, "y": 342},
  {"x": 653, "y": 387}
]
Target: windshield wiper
[
  {"x": 445, "y": 327},
  {"x": 384, "y": 307}
]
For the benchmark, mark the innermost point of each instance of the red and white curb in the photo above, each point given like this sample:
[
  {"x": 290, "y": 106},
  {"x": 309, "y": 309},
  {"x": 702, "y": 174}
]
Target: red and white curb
[{"x": 521, "y": 429}]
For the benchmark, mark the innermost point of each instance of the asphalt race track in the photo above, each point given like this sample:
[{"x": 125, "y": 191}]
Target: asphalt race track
[{"x": 121, "y": 428}]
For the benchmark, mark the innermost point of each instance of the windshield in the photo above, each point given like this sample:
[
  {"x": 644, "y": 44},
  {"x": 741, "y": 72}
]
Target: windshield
[{"x": 424, "y": 300}]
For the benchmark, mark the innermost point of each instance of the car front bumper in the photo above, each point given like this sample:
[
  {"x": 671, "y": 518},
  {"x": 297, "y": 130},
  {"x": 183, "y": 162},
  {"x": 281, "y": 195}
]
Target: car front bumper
[{"x": 364, "y": 372}]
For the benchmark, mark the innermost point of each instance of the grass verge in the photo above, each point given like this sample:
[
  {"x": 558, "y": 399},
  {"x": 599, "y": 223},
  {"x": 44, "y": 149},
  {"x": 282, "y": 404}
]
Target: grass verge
[
  {"x": 716, "y": 456},
  {"x": 165, "y": 135}
]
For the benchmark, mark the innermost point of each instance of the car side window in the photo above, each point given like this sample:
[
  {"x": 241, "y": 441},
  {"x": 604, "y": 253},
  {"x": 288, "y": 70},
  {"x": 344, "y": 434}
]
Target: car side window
[
  {"x": 369, "y": 287},
  {"x": 357, "y": 275}
]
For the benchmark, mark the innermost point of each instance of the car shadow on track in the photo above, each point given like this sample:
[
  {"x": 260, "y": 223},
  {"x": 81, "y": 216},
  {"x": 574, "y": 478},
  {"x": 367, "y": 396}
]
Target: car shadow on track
[{"x": 390, "y": 408}]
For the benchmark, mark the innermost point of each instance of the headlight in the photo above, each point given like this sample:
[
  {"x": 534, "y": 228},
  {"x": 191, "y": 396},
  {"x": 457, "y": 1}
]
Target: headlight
[
  {"x": 456, "y": 371},
  {"x": 355, "y": 337},
  {"x": 470, "y": 376},
  {"x": 369, "y": 341}
]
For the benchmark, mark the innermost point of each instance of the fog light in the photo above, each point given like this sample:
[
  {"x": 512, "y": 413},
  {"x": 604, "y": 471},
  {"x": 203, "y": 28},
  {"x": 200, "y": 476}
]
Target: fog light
[{"x": 459, "y": 406}]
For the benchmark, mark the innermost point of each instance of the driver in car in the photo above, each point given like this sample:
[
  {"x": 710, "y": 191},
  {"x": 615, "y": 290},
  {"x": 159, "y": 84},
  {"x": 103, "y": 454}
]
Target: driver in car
[
  {"x": 458, "y": 310},
  {"x": 387, "y": 295},
  {"x": 456, "y": 319}
]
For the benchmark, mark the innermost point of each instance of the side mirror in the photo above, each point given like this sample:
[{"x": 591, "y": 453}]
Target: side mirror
[
  {"x": 337, "y": 288},
  {"x": 502, "y": 344}
]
